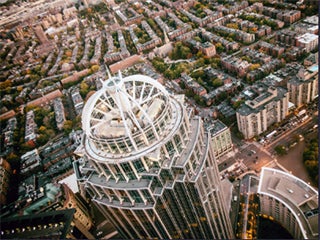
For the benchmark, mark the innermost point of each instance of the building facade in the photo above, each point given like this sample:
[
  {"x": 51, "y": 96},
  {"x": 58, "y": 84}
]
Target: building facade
[
  {"x": 148, "y": 165},
  {"x": 309, "y": 41},
  {"x": 303, "y": 88},
  {"x": 5, "y": 172},
  {"x": 289, "y": 201},
  {"x": 52, "y": 198},
  {"x": 220, "y": 138},
  {"x": 256, "y": 115}
]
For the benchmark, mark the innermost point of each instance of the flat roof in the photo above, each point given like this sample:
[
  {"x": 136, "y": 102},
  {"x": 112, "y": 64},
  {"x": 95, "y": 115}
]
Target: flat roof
[
  {"x": 216, "y": 127},
  {"x": 71, "y": 182},
  {"x": 299, "y": 197},
  {"x": 307, "y": 37}
]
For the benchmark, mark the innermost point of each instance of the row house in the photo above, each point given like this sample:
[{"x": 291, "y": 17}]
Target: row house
[
  {"x": 45, "y": 99},
  {"x": 8, "y": 132},
  {"x": 36, "y": 93},
  {"x": 256, "y": 57},
  {"x": 47, "y": 63},
  {"x": 75, "y": 76},
  {"x": 187, "y": 35},
  {"x": 235, "y": 7},
  {"x": 57, "y": 152},
  {"x": 75, "y": 50},
  {"x": 302, "y": 28},
  {"x": 92, "y": 33},
  {"x": 155, "y": 40},
  {"x": 148, "y": 45},
  {"x": 287, "y": 16},
  {"x": 30, "y": 128},
  {"x": 125, "y": 63},
  {"x": 256, "y": 7},
  {"x": 263, "y": 70},
  {"x": 167, "y": 3},
  {"x": 77, "y": 100},
  {"x": 45, "y": 49},
  {"x": 263, "y": 30},
  {"x": 21, "y": 98},
  {"x": 111, "y": 55},
  {"x": 279, "y": 24},
  {"x": 220, "y": 21},
  {"x": 207, "y": 48},
  {"x": 270, "y": 49},
  {"x": 177, "y": 20},
  {"x": 164, "y": 27},
  {"x": 230, "y": 46},
  {"x": 30, "y": 163},
  {"x": 148, "y": 29},
  {"x": 235, "y": 65},
  {"x": 5, "y": 177},
  {"x": 259, "y": 30},
  {"x": 56, "y": 65},
  {"x": 286, "y": 37},
  {"x": 294, "y": 53},
  {"x": 202, "y": 21},
  {"x": 154, "y": 13},
  {"x": 135, "y": 19},
  {"x": 178, "y": 32},
  {"x": 240, "y": 35},
  {"x": 22, "y": 55},
  {"x": 97, "y": 51},
  {"x": 110, "y": 44},
  {"x": 59, "y": 113},
  {"x": 182, "y": 4},
  {"x": 158, "y": 6},
  {"x": 193, "y": 85},
  {"x": 84, "y": 59}
]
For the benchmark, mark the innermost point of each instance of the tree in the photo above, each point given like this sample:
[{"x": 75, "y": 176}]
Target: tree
[
  {"x": 310, "y": 158},
  {"x": 84, "y": 89},
  {"x": 67, "y": 126},
  {"x": 280, "y": 150},
  {"x": 237, "y": 104},
  {"x": 217, "y": 82},
  {"x": 95, "y": 68}
]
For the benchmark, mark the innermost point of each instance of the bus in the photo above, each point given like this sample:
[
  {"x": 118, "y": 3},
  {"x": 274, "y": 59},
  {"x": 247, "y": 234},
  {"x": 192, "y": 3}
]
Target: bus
[{"x": 271, "y": 134}]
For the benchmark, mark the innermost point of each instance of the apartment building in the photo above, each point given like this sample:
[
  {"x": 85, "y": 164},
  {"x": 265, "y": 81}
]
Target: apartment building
[
  {"x": 267, "y": 106},
  {"x": 303, "y": 88}
]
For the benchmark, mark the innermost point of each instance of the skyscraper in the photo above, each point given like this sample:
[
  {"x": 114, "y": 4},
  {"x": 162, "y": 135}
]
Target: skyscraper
[{"x": 148, "y": 165}]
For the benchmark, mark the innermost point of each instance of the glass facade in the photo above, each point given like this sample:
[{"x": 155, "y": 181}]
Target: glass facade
[{"x": 156, "y": 176}]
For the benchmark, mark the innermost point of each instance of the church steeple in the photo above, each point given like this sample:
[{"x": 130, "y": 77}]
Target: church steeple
[{"x": 166, "y": 39}]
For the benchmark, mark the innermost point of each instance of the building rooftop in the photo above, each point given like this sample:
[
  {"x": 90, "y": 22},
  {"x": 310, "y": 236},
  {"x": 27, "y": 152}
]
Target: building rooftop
[
  {"x": 307, "y": 38},
  {"x": 265, "y": 95},
  {"x": 216, "y": 127},
  {"x": 299, "y": 197}
]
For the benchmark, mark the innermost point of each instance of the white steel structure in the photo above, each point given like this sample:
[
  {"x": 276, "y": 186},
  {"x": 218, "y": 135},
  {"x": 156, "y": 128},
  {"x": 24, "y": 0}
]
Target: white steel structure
[
  {"x": 148, "y": 165},
  {"x": 289, "y": 201}
]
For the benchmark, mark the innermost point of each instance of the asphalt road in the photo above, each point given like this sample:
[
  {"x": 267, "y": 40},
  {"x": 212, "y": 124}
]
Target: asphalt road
[{"x": 288, "y": 136}]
